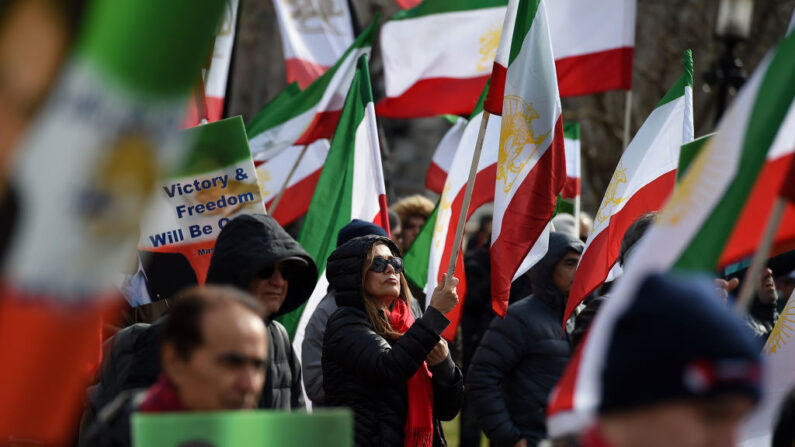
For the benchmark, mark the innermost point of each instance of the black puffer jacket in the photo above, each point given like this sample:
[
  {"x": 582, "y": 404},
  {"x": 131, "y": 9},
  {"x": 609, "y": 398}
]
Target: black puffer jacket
[
  {"x": 368, "y": 373},
  {"x": 246, "y": 245},
  {"x": 522, "y": 357}
]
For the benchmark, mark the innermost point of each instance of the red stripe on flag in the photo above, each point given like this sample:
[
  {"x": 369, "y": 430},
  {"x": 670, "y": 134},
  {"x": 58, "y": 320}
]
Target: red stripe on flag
[
  {"x": 483, "y": 192},
  {"x": 747, "y": 232},
  {"x": 296, "y": 199},
  {"x": 571, "y": 188},
  {"x": 562, "y": 398},
  {"x": 198, "y": 255},
  {"x": 595, "y": 72},
  {"x": 49, "y": 352},
  {"x": 435, "y": 178},
  {"x": 525, "y": 218},
  {"x": 322, "y": 126},
  {"x": 408, "y": 4},
  {"x": 602, "y": 252},
  {"x": 493, "y": 103},
  {"x": 215, "y": 109},
  {"x": 434, "y": 96},
  {"x": 303, "y": 71},
  {"x": 382, "y": 218}
]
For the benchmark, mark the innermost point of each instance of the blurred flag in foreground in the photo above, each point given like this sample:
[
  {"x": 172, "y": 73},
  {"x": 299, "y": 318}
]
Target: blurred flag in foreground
[
  {"x": 350, "y": 187},
  {"x": 531, "y": 166},
  {"x": 694, "y": 227},
  {"x": 642, "y": 181},
  {"x": 83, "y": 178}
]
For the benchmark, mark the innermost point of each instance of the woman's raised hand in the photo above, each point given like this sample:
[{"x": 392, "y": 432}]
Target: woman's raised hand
[{"x": 445, "y": 297}]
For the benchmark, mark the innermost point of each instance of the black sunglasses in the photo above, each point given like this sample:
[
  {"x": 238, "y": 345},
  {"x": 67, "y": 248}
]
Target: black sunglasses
[
  {"x": 287, "y": 269},
  {"x": 379, "y": 264}
]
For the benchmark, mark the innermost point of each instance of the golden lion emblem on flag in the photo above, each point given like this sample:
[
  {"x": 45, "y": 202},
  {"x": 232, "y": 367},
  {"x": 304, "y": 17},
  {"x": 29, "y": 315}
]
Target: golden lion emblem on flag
[
  {"x": 489, "y": 42},
  {"x": 518, "y": 139},
  {"x": 611, "y": 201}
]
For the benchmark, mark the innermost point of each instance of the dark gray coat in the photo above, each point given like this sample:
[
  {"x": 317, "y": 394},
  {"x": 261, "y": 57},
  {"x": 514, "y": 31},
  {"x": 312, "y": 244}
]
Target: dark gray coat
[
  {"x": 246, "y": 245},
  {"x": 522, "y": 356}
]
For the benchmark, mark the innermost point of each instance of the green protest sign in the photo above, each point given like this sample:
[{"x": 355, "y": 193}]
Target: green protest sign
[{"x": 243, "y": 428}]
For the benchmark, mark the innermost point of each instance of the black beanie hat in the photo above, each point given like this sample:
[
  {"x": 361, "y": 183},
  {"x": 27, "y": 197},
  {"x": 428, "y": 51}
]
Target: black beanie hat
[
  {"x": 677, "y": 340},
  {"x": 357, "y": 228}
]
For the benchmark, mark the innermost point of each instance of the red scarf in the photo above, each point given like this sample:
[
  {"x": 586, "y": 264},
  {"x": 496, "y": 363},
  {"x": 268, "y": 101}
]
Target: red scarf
[
  {"x": 161, "y": 397},
  {"x": 419, "y": 421}
]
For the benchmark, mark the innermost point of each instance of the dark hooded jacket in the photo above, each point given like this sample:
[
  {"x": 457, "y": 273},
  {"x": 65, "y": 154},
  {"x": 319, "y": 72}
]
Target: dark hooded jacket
[
  {"x": 245, "y": 246},
  {"x": 369, "y": 373},
  {"x": 522, "y": 356}
]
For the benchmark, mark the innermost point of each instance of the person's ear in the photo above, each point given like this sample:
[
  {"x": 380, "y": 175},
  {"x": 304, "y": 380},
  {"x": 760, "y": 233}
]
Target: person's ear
[{"x": 172, "y": 363}]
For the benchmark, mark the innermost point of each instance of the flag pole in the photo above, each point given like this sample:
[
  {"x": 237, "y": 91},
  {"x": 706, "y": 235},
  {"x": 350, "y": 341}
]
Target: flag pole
[
  {"x": 462, "y": 216},
  {"x": 627, "y": 116},
  {"x": 751, "y": 280},
  {"x": 201, "y": 100},
  {"x": 286, "y": 183}
]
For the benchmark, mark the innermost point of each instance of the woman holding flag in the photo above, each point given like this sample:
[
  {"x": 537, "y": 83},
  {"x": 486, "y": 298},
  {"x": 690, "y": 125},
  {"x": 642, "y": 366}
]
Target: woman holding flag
[{"x": 393, "y": 370}]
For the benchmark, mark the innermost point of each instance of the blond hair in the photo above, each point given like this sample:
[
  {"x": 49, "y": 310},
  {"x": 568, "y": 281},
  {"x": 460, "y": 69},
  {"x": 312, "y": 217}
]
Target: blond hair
[{"x": 416, "y": 205}]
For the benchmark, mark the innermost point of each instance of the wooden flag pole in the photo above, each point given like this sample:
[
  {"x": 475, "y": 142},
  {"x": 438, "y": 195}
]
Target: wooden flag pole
[
  {"x": 627, "y": 116},
  {"x": 751, "y": 280},
  {"x": 286, "y": 183},
  {"x": 462, "y": 216}
]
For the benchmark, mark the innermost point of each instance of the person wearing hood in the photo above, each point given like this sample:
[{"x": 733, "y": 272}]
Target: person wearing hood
[
  {"x": 312, "y": 346},
  {"x": 522, "y": 356},
  {"x": 255, "y": 254},
  {"x": 389, "y": 365}
]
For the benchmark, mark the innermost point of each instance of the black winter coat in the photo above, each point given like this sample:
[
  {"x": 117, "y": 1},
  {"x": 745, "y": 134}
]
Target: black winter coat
[
  {"x": 246, "y": 245},
  {"x": 368, "y": 373},
  {"x": 522, "y": 356}
]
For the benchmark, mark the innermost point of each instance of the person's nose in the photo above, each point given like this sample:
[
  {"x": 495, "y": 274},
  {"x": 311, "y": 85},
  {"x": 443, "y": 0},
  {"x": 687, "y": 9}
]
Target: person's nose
[
  {"x": 389, "y": 268},
  {"x": 247, "y": 379},
  {"x": 277, "y": 279}
]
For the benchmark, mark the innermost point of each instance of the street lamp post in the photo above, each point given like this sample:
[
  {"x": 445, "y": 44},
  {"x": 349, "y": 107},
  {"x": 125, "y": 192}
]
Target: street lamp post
[{"x": 733, "y": 25}]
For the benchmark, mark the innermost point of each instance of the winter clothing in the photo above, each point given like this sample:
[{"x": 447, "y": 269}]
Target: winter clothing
[
  {"x": 673, "y": 346},
  {"x": 368, "y": 373},
  {"x": 246, "y": 245},
  {"x": 521, "y": 357},
  {"x": 312, "y": 346}
]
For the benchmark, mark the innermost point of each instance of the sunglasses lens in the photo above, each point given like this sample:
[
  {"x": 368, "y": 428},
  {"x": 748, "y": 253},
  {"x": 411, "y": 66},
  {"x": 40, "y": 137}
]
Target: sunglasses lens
[
  {"x": 288, "y": 270},
  {"x": 378, "y": 265},
  {"x": 266, "y": 272},
  {"x": 397, "y": 264}
]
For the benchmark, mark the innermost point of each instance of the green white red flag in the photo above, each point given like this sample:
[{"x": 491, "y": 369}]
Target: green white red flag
[
  {"x": 531, "y": 167},
  {"x": 695, "y": 227},
  {"x": 191, "y": 204},
  {"x": 82, "y": 180},
  {"x": 429, "y": 255},
  {"x": 438, "y": 55},
  {"x": 443, "y": 156},
  {"x": 350, "y": 187},
  {"x": 309, "y": 117},
  {"x": 642, "y": 181}
]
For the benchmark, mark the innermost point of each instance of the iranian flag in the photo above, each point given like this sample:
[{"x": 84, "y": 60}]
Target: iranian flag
[
  {"x": 438, "y": 55},
  {"x": 642, "y": 181},
  {"x": 443, "y": 156},
  {"x": 531, "y": 167},
  {"x": 79, "y": 185},
  {"x": 314, "y": 35},
  {"x": 215, "y": 77},
  {"x": 295, "y": 119},
  {"x": 695, "y": 227},
  {"x": 350, "y": 187},
  {"x": 429, "y": 256}
]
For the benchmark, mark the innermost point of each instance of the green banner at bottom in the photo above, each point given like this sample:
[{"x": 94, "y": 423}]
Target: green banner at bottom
[{"x": 243, "y": 428}]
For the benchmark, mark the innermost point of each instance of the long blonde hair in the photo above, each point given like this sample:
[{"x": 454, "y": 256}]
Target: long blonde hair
[{"x": 375, "y": 310}]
